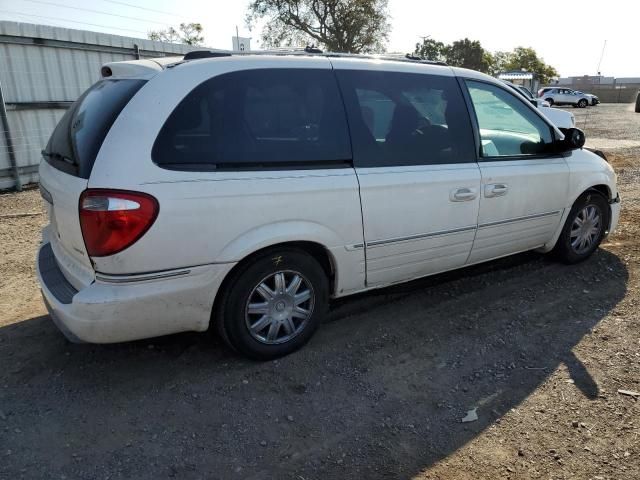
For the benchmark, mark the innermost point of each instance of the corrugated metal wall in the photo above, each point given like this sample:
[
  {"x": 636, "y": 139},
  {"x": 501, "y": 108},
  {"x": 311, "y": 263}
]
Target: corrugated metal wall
[{"x": 42, "y": 69}]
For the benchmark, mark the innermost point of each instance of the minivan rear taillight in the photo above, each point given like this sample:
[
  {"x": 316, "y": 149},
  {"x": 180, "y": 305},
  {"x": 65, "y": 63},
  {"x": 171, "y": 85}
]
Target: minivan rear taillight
[{"x": 112, "y": 220}]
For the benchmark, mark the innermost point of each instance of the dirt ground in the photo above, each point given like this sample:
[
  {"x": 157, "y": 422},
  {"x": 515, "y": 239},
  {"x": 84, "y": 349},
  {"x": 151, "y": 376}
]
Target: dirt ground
[{"x": 540, "y": 349}]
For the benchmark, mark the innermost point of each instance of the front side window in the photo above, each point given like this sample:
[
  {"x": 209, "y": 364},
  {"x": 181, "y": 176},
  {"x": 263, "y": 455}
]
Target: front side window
[
  {"x": 508, "y": 127},
  {"x": 273, "y": 118},
  {"x": 406, "y": 119}
]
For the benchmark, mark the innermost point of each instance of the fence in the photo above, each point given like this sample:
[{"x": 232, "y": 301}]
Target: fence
[
  {"x": 43, "y": 70},
  {"x": 617, "y": 94}
]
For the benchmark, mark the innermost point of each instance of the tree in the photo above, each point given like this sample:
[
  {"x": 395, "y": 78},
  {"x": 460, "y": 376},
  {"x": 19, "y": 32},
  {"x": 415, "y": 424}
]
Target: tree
[
  {"x": 467, "y": 54},
  {"x": 431, "y": 49},
  {"x": 350, "y": 26},
  {"x": 470, "y": 54},
  {"x": 499, "y": 61},
  {"x": 189, "y": 33},
  {"x": 527, "y": 59},
  {"x": 462, "y": 53}
]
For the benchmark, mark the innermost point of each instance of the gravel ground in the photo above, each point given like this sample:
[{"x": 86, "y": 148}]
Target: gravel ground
[{"x": 537, "y": 348}]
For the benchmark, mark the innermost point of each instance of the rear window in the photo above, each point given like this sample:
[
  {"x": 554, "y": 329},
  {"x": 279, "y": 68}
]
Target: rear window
[
  {"x": 267, "y": 118},
  {"x": 75, "y": 142}
]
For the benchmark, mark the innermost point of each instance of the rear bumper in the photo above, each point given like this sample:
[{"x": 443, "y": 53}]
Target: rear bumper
[{"x": 123, "y": 308}]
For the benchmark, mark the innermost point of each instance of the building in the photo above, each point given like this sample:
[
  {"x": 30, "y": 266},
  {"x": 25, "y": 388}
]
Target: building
[
  {"x": 43, "y": 69},
  {"x": 521, "y": 77}
]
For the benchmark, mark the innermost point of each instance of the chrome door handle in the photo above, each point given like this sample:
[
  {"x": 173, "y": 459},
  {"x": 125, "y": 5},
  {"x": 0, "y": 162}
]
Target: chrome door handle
[
  {"x": 464, "y": 194},
  {"x": 495, "y": 190}
]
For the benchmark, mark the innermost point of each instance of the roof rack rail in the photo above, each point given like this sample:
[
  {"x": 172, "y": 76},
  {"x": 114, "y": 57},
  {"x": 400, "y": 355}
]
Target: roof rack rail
[
  {"x": 196, "y": 54},
  {"x": 309, "y": 50}
]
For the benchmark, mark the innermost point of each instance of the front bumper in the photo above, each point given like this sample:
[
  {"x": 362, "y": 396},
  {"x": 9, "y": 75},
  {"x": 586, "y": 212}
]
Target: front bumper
[
  {"x": 123, "y": 308},
  {"x": 615, "y": 214}
]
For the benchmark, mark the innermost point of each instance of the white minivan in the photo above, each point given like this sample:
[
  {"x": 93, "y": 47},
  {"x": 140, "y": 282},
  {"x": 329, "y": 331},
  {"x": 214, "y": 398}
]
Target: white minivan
[{"x": 243, "y": 192}]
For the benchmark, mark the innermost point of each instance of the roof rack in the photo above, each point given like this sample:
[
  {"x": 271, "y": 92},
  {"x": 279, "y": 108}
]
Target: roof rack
[
  {"x": 308, "y": 50},
  {"x": 196, "y": 54}
]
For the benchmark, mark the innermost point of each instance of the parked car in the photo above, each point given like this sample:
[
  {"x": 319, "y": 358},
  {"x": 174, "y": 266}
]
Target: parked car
[
  {"x": 594, "y": 100},
  {"x": 243, "y": 192},
  {"x": 560, "y": 118},
  {"x": 565, "y": 96}
]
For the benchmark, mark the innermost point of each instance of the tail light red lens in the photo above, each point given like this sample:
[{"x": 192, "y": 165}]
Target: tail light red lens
[{"x": 112, "y": 220}]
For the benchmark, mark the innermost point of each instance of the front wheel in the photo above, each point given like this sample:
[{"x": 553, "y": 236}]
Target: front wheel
[
  {"x": 582, "y": 103},
  {"x": 273, "y": 305},
  {"x": 584, "y": 229}
]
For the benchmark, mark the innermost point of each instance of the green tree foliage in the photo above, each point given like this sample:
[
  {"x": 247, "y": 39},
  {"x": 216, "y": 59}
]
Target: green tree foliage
[
  {"x": 499, "y": 61},
  {"x": 351, "y": 26},
  {"x": 188, "y": 33},
  {"x": 470, "y": 54},
  {"x": 527, "y": 59},
  {"x": 431, "y": 49},
  {"x": 461, "y": 53}
]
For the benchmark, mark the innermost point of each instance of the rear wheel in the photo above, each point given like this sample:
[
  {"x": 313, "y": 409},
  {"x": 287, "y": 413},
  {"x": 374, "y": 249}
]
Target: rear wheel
[
  {"x": 582, "y": 103},
  {"x": 584, "y": 229},
  {"x": 550, "y": 101},
  {"x": 273, "y": 305}
]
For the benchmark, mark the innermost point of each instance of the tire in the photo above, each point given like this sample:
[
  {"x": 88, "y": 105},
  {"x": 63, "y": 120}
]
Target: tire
[
  {"x": 550, "y": 101},
  {"x": 569, "y": 248},
  {"x": 582, "y": 103},
  {"x": 268, "y": 282}
]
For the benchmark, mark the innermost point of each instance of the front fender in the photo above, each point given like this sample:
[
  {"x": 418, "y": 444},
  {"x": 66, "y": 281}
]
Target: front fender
[{"x": 587, "y": 170}]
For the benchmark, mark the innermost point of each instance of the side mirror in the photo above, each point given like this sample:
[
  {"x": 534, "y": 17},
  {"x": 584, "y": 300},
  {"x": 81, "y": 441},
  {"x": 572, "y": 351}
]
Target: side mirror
[
  {"x": 574, "y": 138},
  {"x": 534, "y": 102}
]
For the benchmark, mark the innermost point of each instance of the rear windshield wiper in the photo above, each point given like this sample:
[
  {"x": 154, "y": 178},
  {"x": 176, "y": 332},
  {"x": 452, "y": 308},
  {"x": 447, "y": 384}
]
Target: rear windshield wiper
[{"x": 58, "y": 156}]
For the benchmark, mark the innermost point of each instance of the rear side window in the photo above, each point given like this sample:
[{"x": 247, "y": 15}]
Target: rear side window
[
  {"x": 77, "y": 138},
  {"x": 406, "y": 119},
  {"x": 267, "y": 118}
]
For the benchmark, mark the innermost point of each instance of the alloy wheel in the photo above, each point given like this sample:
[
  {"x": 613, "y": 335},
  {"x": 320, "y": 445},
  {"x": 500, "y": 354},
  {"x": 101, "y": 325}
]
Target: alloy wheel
[
  {"x": 279, "y": 307},
  {"x": 585, "y": 229}
]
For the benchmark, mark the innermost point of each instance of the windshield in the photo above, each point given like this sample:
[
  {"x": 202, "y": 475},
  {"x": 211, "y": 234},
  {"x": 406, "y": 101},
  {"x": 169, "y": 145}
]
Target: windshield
[
  {"x": 525, "y": 91},
  {"x": 75, "y": 142}
]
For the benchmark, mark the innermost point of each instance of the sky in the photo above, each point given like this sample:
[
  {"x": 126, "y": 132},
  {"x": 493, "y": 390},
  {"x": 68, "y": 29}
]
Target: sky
[{"x": 569, "y": 36}]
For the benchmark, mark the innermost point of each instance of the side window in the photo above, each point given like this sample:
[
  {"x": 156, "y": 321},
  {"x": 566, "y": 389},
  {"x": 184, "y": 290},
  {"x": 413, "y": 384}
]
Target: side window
[
  {"x": 273, "y": 118},
  {"x": 406, "y": 119},
  {"x": 508, "y": 127}
]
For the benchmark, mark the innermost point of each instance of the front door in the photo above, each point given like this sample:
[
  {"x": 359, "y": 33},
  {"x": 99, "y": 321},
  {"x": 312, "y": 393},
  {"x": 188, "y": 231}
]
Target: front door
[
  {"x": 524, "y": 189},
  {"x": 414, "y": 157}
]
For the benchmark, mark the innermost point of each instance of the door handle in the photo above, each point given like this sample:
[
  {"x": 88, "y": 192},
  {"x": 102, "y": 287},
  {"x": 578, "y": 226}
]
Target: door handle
[
  {"x": 463, "y": 194},
  {"x": 495, "y": 190}
]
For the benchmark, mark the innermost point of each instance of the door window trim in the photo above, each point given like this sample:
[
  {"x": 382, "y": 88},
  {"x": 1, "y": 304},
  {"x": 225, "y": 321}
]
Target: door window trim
[{"x": 462, "y": 82}]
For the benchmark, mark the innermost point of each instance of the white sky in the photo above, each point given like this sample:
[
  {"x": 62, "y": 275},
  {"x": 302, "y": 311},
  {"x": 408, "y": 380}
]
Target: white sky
[{"x": 568, "y": 35}]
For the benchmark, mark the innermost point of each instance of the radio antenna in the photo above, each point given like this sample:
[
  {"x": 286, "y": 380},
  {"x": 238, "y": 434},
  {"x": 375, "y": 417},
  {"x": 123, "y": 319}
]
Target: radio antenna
[
  {"x": 586, "y": 116},
  {"x": 601, "y": 57}
]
